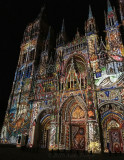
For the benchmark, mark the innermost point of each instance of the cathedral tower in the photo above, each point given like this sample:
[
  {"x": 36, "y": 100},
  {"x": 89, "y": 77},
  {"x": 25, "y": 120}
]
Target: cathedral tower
[
  {"x": 92, "y": 40},
  {"x": 17, "y": 119},
  {"x": 113, "y": 38}
]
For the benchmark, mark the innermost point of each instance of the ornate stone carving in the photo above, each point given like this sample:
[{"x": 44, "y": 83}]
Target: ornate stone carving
[{"x": 78, "y": 113}]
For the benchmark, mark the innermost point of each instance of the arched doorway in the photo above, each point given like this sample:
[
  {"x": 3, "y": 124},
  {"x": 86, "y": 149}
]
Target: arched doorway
[
  {"x": 78, "y": 129},
  {"x": 114, "y": 131},
  {"x": 111, "y": 120},
  {"x": 42, "y": 130},
  {"x": 73, "y": 126}
]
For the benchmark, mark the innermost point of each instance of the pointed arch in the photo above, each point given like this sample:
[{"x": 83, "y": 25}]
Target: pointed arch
[
  {"x": 42, "y": 129},
  {"x": 73, "y": 115},
  {"x": 78, "y": 58},
  {"x": 112, "y": 120}
]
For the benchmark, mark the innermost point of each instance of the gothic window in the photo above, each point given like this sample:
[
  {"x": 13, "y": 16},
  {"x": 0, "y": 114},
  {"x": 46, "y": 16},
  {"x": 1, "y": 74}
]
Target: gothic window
[
  {"x": 59, "y": 86},
  {"x": 111, "y": 70},
  {"x": 75, "y": 83},
  {"x": 82, "y": 83},
  {"x": 71, "y": 84},
  {"x": 62, "y": 86},
  {"x": 28, "y": 72},
  {"x": 20, "y": 74},
  {"x": 112, "y": 21},
  {"x": 32, "y": 31},
  {"x": 109, "y": 22},
  {"x": 31, "y": 55},
  {"x": 23, "y": 58},
  {"x": 68, "y": 85},
  {"x": 19, "y": 139},
  {"x": 90, "y": 27}
]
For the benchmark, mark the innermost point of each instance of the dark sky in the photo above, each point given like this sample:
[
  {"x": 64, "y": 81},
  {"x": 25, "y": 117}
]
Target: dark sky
[{"x": 15, "y": 15}]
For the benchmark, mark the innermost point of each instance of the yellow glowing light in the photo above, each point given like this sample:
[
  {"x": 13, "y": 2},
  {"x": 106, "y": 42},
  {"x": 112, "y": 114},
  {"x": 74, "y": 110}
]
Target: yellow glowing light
[{"x": 94, "y": 147}]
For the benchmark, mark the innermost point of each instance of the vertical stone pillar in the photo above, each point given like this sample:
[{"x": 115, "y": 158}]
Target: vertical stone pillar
[
  {"x": 67, "y": 137},
  {"x": 90, "y": 127},
  {"x": 32, "y": 134},
  {"x": 94, "y": 138},
  {"x": 123, "y": 138},
  {"x": 52, "y": 136},
  {"x": 87, "y": 137}
]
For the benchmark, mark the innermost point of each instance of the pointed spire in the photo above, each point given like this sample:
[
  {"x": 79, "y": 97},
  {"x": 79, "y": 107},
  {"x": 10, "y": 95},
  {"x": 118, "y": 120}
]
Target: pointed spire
[
  {"x": 109, "y": 6},
  {"x": 61, "y": 39},
  {"x": 77, "y": 34},
  {"x": 121, "y": 10},
  {"x": 42, "y": 8},
  {"x": 48, "y": 36},
  {"x": 63, "y": 26},
  {"x": 47, "y": 41},
  {"x": 90, "y": 12}
]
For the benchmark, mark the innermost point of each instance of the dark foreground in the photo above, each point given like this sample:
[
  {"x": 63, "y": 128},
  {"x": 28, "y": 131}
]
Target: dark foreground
[{"x": 10, "y": 152}]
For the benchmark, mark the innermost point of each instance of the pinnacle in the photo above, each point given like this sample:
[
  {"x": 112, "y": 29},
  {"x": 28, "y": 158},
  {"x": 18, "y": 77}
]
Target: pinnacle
[
  {"x": 90, "y": 12},
  {"x": 63, "y": 26},
  {"x": 109, "y": 6}
]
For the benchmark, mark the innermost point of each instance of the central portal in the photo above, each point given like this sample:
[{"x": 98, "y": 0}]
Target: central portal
[
  {"x": 78, "y": 137},
  {"x": 78, "y": 129},
  {"x": 73, "y": 123}
]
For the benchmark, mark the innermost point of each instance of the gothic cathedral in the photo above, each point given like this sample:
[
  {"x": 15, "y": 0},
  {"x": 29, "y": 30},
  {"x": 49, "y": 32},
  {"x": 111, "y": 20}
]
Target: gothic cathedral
[{"x": 70, "y": 96}]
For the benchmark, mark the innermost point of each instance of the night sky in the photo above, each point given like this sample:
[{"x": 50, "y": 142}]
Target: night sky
[{"x": 14, "y": 16}]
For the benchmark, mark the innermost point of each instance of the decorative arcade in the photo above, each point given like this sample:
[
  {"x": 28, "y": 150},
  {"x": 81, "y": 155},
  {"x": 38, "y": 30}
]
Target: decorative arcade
[{"x": 68, "y": 96}]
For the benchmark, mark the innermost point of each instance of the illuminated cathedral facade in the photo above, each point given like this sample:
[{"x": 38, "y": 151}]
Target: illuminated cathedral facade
[{"x": 70, "y": 96}]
